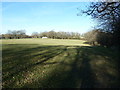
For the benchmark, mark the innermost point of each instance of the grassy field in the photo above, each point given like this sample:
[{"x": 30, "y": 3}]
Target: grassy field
[
  {"x": 64, "y": 42},
  {"x": 52, "y": 63}
]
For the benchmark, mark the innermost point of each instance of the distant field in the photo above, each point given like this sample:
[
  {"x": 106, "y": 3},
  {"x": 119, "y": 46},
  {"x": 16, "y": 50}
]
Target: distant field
[
  {"x": 46, "y": 42},
  {"x": 57, "y": 63}
]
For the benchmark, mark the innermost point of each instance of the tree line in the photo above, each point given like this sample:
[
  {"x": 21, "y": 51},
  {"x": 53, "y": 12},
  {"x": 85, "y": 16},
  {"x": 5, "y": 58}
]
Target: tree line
[
  {"x": 108, "y": 16},
  {"x": 57, "y": 35},
  {"x": 18, "y": 34},
  {"x": 15, "y": 34},
  {"x": 99, "y": 37}
]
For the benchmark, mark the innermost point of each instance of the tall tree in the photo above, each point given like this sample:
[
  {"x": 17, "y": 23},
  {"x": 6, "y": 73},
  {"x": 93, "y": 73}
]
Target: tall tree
[{"x": 108, "y": 15}]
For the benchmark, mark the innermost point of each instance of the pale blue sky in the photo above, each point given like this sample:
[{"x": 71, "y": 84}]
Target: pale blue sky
[{"x": 45, "y": 16}]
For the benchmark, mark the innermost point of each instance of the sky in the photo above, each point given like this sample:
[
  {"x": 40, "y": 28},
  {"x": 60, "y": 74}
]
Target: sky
[{"x": 45, "y": 16}]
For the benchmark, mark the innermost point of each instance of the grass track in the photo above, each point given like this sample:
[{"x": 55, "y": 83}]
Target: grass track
[{"x": 38, "y": 63}]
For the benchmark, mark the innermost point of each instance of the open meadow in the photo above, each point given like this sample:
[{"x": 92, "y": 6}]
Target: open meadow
[{"x": 58, "y": 63}]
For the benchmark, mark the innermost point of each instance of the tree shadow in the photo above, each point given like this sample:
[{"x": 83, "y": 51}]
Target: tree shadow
[
  {"x": 23, "y": 63},
  {"x": 104, "y": 65},
  {"x": 80, "y": 67},
  {"x": 86, "y": 43},
  {"x": 79, "y": 75}
]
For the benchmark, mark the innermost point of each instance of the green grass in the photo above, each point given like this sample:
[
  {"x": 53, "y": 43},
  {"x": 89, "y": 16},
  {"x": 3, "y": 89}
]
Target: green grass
[
  {"x": 46, "y": 42},
  {"x": 52, "y": 63}
]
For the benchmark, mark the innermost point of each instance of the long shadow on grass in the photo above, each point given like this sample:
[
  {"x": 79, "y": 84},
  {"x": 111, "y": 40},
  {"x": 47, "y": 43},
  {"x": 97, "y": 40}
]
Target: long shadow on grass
[
  {"x": 106, "y": 66},
  {"x": 20, "y": 62},
  {"x": 80, "y": 74},
  {"x": 74, "y": 71}
]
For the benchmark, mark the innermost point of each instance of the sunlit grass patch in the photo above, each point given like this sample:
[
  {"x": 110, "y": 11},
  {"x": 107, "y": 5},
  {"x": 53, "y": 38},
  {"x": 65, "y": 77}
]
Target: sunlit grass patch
[{"x": 39, "y": 41}]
